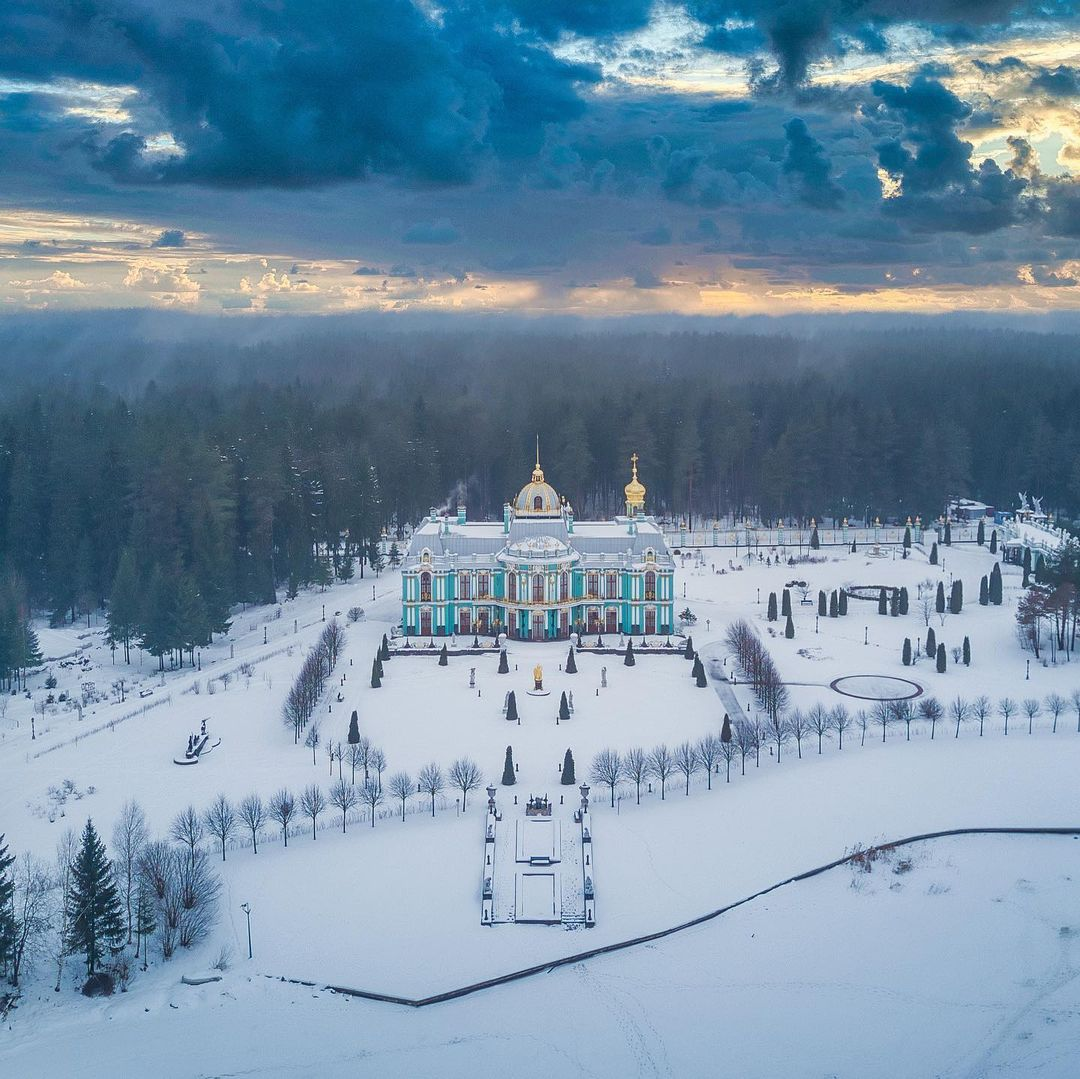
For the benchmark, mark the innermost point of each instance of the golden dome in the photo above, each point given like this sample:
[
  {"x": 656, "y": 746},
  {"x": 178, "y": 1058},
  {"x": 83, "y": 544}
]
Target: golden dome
[
  {"x": 634, "y": 490},
  {"x": 537, "y": 498}
]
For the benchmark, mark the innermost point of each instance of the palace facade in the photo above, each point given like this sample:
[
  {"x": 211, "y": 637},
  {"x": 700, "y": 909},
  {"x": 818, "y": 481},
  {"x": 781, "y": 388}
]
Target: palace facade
[{"x": 539, "y": 574}]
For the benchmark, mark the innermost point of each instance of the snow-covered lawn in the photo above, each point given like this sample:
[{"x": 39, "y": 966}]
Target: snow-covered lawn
[{"x": 963, "y": 966}]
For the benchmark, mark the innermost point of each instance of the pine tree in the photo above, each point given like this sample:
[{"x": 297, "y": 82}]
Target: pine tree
[
  {"x": 941, "y": 662},
  {"x": 882, "y": 602},
  {"x": 993, "y": 541},
  {"x": 376, "y": 680},
  {"x": 906, "y": 659},
  {"x": 907, "y": 537},
  {"x": 122, "y": 615},
  {"x": 629, "y": 659},
  {"x": 980, "y": 533},
  {"x": 822, "y": 605},
  {"x": 157, "y": 626},
  {"x": 995, "y": 585},
  {"x": 984, "y": 592},
  {"x": 566, "y": 777},
  {"x": 815, "y": 542},
  {"x": 354, "y": 729},
  {"x": 956, "y": 597},
  {"x": 511, "y": 708},
  {"x": 967, "y": 652},
  {"x": 95, "y": 923},
  {"x": 948, "y": 534},
  {"x": 508, "y": 776},
  {"x": 771, "y": 613},
  {"x": 834, "y": 604},
  {"x": 7, "y": 892},
  {"x": 931, "y": 642},
  {"x": 571, "y": 662},
  {"x": 564, "y": 708},
  {"x": 842, "y": 605},
  {"x": 688, "y": 651},
  {"x": 395, "y": 554},
  {"x": 443, "y": 657},
  {"x": 933, "y": 555},
  {"x": 504, "y": 666},
  {"x": 904, "y": 600},
  {"x": 939, "y": 598},
  {"x": 789, "y": 628},
  {"x": 785, "y": 603},
  {"x": 145, "y": 922},
  {"x": 192, "y": 628}
]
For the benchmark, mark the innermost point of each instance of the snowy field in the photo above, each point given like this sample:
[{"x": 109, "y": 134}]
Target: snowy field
[
  {"x": 962, "y": 964},
  {"x": 396, "y": 908}
]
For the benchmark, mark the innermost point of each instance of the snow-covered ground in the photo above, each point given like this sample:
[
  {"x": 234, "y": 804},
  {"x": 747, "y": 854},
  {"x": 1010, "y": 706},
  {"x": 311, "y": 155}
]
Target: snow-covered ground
[
  {"x": 963, "y": 965},
  {"x": 396, "y": 908}
]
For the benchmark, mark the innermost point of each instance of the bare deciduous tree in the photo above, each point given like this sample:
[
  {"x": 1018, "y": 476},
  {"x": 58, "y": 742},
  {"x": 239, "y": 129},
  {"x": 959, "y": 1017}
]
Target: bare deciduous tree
[
  {"x": 687, "y": 762},
  {"x": 960, "y": 712},
  {"x": 981, "y": 707},
  {"x": 432, "y": 782},
  {"x": 743, "y": 739},
  {"x": 129, "y": 835},
  {"x": 930, "y": 708},
  {"x": 31, "y": 913},
  {"x": 729, "y": 751},
  {"x": 1055, "y": 705},
  {"x": 1032, "y": 709},
  {"x": 66, "y": 847},
  {"x": 187, "y": 829},
  {"x": 1006, "y": 709},
  {"x": 882, "y": 713},
  {"x": 708, "y": 751},
  {"x": 311, "y": 740},
  {"x": 607, "y": 768},
  {"x": 282, "y": 811},
  {"x": 466, "y": 776},
  {"x": 779, "y": 731},
  {"x": 400, "y": 786},
  {"x": 636, "y": 765},
  {"x": 312, "y": 803},
  {"x": 358, "y": 755},
  {"x": 253, "y": 816},
  {"x": 841, "y": 720},
  {"x": 343, "y": 796},
  {"x": 378, "y": 765},
  {"x": 221, "y": 821},
  {"x": 661, "y": 765},
  {"x": 904, "y": 712},
  {"x": 371, "y": 795}
]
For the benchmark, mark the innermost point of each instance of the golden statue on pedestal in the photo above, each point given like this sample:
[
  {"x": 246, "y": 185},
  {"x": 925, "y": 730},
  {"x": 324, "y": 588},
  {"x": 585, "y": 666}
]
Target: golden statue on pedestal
[{"x": 538, "y": 677}]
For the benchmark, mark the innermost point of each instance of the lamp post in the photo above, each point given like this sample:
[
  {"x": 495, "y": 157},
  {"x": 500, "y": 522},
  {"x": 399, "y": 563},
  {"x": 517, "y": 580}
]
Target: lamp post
[{"x": 246, "y": 908}]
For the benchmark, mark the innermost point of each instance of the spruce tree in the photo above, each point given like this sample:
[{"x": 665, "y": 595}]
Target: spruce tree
[
  {"x": 980, "y": 533},
  {"x": 504, "y": 666},
  {"x": 939, "y": 598},
  {"x": 785, "y": 603},
  {"x": 933, "y": 555},
  {"x": 882, "y": 602},
  {"x": 822, "y": 605},
  {"x": 907, "y": 537},
  {"x": 842, "y": 604},
  {"x": 123, "y": 614},
  {"x": 956, "y": 597},
  {"x": 995, "y": 590},
  {"x": 157, "y": 626},
  {"x": 905, "y": 600},
  {"x": 984, "y": 591},
  {"x": 376, "y": 680},
  {"x": 834, "y": 605},
  {"x": 931, "y": 642},
  {"x": 571, "y": 662},
  {"x": 7, "y": 892},
  {"x": 941, "y": 662},
  {"x": 629, "y": 659},
  {"x": 567, "y": 777},
  {"x": 95, "y": 923},
  {"x": 948, "y": 534},
  {"x": 443, "y": 657},
  {"x": 789, "y": 628},
  {"x": 993, "y": 541},
  {"x": 815, "y": 542},
  {"x": 354, "y": 729},
  {"x": 564, "y": 708},
  {"x": 967, "y": 652},
  {"x": 511, "y": 708},
  {"x": 192, "y": 619},
  {"x": 906, "y": 658},
  {"x": 688, "y": 651},
  {"x": 771, "y": 613},
  {"x": 508, "y": 776}
]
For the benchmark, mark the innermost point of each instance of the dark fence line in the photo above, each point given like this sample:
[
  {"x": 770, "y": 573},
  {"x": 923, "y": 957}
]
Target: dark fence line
[{"x": 701, "y": 919}]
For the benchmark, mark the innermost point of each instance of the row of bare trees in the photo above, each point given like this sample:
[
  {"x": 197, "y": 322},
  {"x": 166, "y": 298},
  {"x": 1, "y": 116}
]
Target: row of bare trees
[
  {"x": 306, "y": 692},
  {"x": 756, "y": 665}
]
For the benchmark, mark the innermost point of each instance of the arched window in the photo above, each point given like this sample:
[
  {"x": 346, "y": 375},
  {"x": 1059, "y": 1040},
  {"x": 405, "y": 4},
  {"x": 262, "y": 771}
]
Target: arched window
[
  {"x": 425, "y": 587},
  {"x": 612, "y": 586},
  {"x": 538, "y": 588},
  {"x": 650, "y": 585},
  {"x": 592, "y": 584},
  {"x": 425, "y": 555},
  {"x": 463, "y": 586},
  {"x": 538, "y": 504},
  {"x": 564, "y": 587},
  {"x": 650, "y": 555}
]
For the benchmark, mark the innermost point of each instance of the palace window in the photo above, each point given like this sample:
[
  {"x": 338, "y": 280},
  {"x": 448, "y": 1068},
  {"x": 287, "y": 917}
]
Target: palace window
[
  {"x": 425, "y": 587},
  {"x": 464, "y": 622},
  {"x": 425, "y": 555},
  {"x": 538, "y": 504},
  {"x": 538, "y": 588},
  {"x": 463, "y": 586},
  {"x": 612, "y": 620},
  {"x": 483, "y": 584},
  {"x": 564, "y": 586},
  {"x": 612, "y": 586},
  {"x": 593, "y": 584},
  {"x": 511, "y": 582},
  {"x": 650, "y": 555},
  {"x": 650, "y": 585}
]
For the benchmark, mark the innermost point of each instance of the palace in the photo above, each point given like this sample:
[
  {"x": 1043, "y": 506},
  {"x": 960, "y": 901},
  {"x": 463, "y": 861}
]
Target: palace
[{"x": 539, "y": 574}]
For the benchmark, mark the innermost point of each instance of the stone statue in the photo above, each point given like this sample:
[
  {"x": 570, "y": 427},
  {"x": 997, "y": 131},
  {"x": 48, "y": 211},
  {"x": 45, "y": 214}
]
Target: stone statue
[{"x": 538, "y": 677}]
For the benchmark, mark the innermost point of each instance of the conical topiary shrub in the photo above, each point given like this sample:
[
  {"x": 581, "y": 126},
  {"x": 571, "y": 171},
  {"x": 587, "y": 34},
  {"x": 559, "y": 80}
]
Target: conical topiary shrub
[
  {"x": 567, "y": 778},
  {"x": 699, "y": 673},
  {"x": 511, "y": 708},
  {"x": 564, "y": 708},
  {"x": 354, "y": 729},
  {"x": 725, "y": 730},
  {"x": 384, "y": 650},
  {"x": 504, "y": 667},
  {"x": 629, "y": 660},
  {"x": 444, "y": 658},
  {"x": 688, "y": 651},
  {"x": 789, "y": 629},
  {"x": 376, "y": 680},
  {"x": 508, "y": 777},
  {"x": 571, "y": 663}
]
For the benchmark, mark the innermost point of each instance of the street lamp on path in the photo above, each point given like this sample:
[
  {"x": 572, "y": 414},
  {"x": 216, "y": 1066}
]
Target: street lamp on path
[{"x": 246, "y": 908}]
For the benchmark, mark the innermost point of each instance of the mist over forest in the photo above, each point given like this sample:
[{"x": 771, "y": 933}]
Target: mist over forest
[{"x": 234, "y": 449}]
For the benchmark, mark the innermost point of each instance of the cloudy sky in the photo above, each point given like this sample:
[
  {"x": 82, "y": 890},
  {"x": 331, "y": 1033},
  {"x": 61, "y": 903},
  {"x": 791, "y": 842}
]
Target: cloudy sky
[{"x": 575, "y": 156}]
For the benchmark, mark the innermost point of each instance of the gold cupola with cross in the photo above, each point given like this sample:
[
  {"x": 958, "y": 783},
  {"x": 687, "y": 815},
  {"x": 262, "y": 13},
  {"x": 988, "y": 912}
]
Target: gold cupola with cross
[{"x": 635, "y": 492}]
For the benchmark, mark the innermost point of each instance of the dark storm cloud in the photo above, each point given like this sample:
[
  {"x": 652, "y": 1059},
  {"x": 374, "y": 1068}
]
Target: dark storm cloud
[
  {"x": 807, "y": 162},
  {"x": 1062, "y": 81},
  {"x": 171, "y": 238}
]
